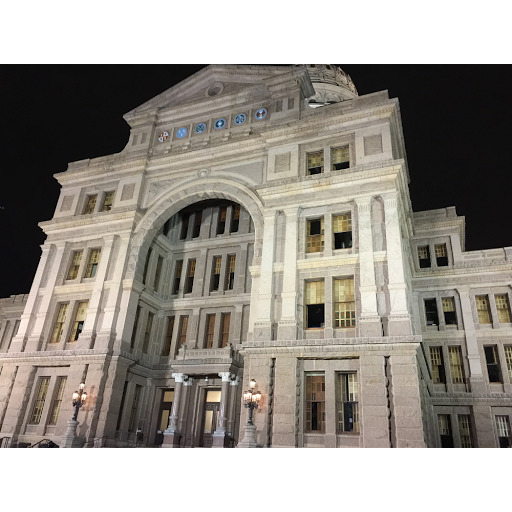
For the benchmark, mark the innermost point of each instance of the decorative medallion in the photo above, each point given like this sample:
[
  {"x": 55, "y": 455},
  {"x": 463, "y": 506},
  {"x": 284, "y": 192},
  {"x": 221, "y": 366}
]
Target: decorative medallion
[
  {"x": 240, "y": 119},
  {"x": 181, "y": 132},
  {"x": 220, "y": 123},
  {"x": 163, "y": 136},
  {"x": 261, "y": 113},
  {"x": 200, "y": 128},
  {"x": 203, "y": 173}
]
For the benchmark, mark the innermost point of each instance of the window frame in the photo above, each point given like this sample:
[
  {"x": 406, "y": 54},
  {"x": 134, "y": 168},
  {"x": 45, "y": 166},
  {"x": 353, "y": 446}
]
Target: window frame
[
  {"x": 75, "y": 265},
  {"x": 91, "y": 269},
  {"x": 108, "y": 195},
  {"x": 353, "y": 318},
  {"x": 321, "y": 167},
  {"x": 341, "y": 403},
  {"x": 320, "y": 242},
  {"x": 338, "y": 148},
  {"x": 306, "y": 303},
  {"x": 320, "y": 410}
]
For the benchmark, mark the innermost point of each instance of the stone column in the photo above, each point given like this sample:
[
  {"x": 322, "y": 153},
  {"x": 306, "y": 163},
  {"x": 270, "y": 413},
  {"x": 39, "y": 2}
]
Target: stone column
[
  {"x": 287, "y": 326},
  {"x": 220, "y": 438},
  {"x": 399, "y": 320},
  {"x": 369, "y": 321},
  {"x": 232, "y": 406},
  {"x": 172, "y": 435}
]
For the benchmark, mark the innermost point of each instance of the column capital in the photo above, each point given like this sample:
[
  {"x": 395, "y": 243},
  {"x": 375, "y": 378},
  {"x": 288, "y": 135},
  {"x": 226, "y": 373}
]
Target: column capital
[
  {"x": 390, "y": 198},
  {"x": 235, "y": 381},
  {"x": 226, "y": 376},
  {"x": 180, "y": 377},
  {"x": 189, "y": 382},
  {"x": 363, "y": 202},
  {"x": 290, "y": 212}
]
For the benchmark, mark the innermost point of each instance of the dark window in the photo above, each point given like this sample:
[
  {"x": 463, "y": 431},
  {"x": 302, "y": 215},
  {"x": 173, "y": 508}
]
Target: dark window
[
  {"x": 342, "y": 230},
  {"x": 177, "y": 277},
  {"x": 221, "y": 225},
  {"x": 236, "y": 219},
  {"x": 340, "y": 158},
  {"x": 431, "y": 312},
  {"x": 146, "y": 266},
  {"x": 190, "y": 276},
  {"x": 315, "y": 304},
  {"x": 503, "y": 425},
  {"x": 436, "y": 358},
  {"x": 183, "y": 331},
  {"x": 210, "y": 329},
  {"x": 120, "y": 415},
  {"x": 493, "y": 365},
  {"x": 184, "y": 226},
  {"x": 135, "y": 325},
  {"x": 231, "y": 272},
  {"x": 441, "y": 255},
  {"x": 315, "y": 163},
  {"x": 315, "y": 402},
  {"x": 217, "y": 261},
  {"x": 168, "y": 337},
  {"x": 424, "y": 256},
  {"x": 450, "y": 317},
  {"x": 347, "y": 406},
  {"x": 158, "y": 272},
  {"x": 226, "y": 320},
  {"x": 445, "y": 431},
  {"x": 197, "y": 224}
]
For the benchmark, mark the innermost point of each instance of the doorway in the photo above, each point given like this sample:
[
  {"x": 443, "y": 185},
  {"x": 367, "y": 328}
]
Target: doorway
[
  {"x": 210, "y": 416},
  {"x": 164, "y": 413}
]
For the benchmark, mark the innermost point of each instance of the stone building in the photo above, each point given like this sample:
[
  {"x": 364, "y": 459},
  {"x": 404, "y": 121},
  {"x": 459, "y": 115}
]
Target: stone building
[{"x": 258, "y": 225}]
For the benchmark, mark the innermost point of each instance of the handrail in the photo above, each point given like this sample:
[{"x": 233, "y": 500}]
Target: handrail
[{"x": 49, "y": 442}]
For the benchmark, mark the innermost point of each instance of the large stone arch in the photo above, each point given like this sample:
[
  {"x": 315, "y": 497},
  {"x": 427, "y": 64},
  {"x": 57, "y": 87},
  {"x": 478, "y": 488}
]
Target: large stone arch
[{"x": 177, "y": 198}]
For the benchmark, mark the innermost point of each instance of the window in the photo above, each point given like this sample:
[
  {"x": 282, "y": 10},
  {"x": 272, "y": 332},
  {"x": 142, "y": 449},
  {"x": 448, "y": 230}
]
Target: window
[
  {"x": 508, "y": 357},
  {"x": 342, "y": 231},
  {"x": 231, "y": 272},
  {"x": 221, "y": 225},
  {"x": 166, "y": 350},
  {"x": 120, "y": 415},
  {"x": 184, "y": 226},
  {"x": 482, "y": 307},
  {"x": 217, "y": 261},
  {"x": 59, "y": 323},
  {"x": 315, "y": 235},
  {"x": 493, "y": 364},
  {"x": 75, "y": 265},
  {"x": 78, "y": 324},
  {"x": 37, "y": 410},
  {"x": 135, "y": 325},
  {"x": 315, "y": 304},
  {"x": 135, "y": 408},
  {"x": 90, "y": 204},
  {"x": 158, "y": 272},
  {"x": 315, "y": 163},
  {"x": 210, "y": 328},
  {"x": 346, "y": 400},
  {"x": 450, "y": 317},
  {"x": 445, "y": 431},
  {"x": 503, "y": 307},
  {"x": 431, "y": 312},
  {"x": 436, "y": 358},
  {"x": 340, "y": 158},
  {"x": 344, "y": 305},
  {"x": 190, "y": 276},
  {"x": 456, "y": 369},
  {"x": 92, "y": 266},
  {"x": 54, "y": 414},
  {"x": 197, "y": 223},
  {"x": 146, "y": 266},
  {"x": 503, "y": 426},
  {"x": 108, "y": 201},
  {"x": 315, "y": 402},
  {"x": 147, "y": 332},
  {"x": 183, "y": 331},
  {"x": 441, "y": 255},
  {"x": 177, "y": 277},
  {"x": 424, "y": 256},
  {"x": 226, "y": 319},
  {"x": 466, "y": 437},
  {"x": 235, "y": 221}
]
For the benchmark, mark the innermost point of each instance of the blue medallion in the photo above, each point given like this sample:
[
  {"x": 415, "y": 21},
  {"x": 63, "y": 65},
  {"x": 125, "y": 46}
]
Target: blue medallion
[
  {"x": 261, "y": 113},
  {"x": 240, "y": 119},
  {"x": 220, "y": 123},
  {"x": 200, "y": 128},
  {"x": 181, "y": 133}
]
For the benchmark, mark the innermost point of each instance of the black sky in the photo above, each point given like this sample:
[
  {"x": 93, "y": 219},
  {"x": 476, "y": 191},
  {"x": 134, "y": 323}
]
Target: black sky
[{"x": 456, "y": 121}]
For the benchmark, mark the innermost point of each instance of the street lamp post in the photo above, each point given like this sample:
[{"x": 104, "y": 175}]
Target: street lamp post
[
  {"x": 79, "y": 398},
  {"x": 251, "y": 401},
  {"x": 69, "y": 439}
]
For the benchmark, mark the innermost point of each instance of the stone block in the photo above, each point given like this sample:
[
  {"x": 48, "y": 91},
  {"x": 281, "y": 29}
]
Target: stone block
[
  {"x": 414, "y": 434},
  {"x": 401, "y": 411},
  {"x": 375, "y": 433},
  {"x": 375, "y": 422},
  {"x": 406, "y": 391},
  {"x": 377, "y": 399},
  {"x": 407, "y": 443},
  {"x": 373, "y": 410},
  {"x": 406, "y": 401},
  {"x": 283, "y": 440},
  {"x": 376, "y": 443},
  {"x": 408, "y": 422}
]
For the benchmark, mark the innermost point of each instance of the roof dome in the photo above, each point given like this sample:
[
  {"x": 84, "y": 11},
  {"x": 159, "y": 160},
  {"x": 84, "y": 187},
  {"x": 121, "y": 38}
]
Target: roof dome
[{"x": 331, "y": 84}]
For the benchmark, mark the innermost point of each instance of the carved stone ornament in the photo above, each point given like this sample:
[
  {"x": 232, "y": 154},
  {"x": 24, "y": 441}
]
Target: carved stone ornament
[{"x": 203, "y": 173}]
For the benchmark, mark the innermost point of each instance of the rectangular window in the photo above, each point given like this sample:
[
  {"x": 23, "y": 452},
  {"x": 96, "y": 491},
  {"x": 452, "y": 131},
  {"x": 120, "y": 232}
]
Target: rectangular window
[
  {"x": 217, "y": 261},
  {"x": 431, "y": 312},
  {"x": 120, "y": 415},
  {"x": 315, "y": 402},
  {"x": 482, "y": 307},
  {"x": 197, "y": 223},
  {"x": 59, "y": 323},
  {"x": 184, "y": 226},
  {"x": 90, "y": 204},
  {"x": 347, "y": 406},
  {"x": 54, "y": 414},
  {"x": 342, "y": 231},
  {"x": 466, "y": 437},
  {"x": 177, "y": 277},
  {"x": 210, "y": 329},
  {"x": 147, "y": 332},
  {"x": 315, "y": 163},
  {"x": 424, "y": 256},
  {"x": 166, "y": 350},
  {"x": 135, "y": 326},
  {"x": 436, "y": 358},
  {"x": 108, "y": 201},
  {"x": 183, "y": 331},
  {"x": 441, "y": 255},
  {"x": 456, "y": 369},
  {"x": 235, "y": 221},
  {"x": 135, "y": 408},
  {"x": 224, "y": 340},
  {"x": 340, "y": 158},
  {"x": 190, "y": 276},
  {"x": 315, "y": 304},
  {"x": 508, "y": 357},
  {"x": 493, "y": 363},
  {"x": 158, "y": 272},
  {"x": 146, "y": 265},
  {"x": 445, "y": 431},
  {"x": 75, "y": 265},
  {"x": 450, "y": 318},
  {"x": 503, "y": 426},
  {"x": 92, "y": 266},
  {"x": 230, "y": 284},
  {"x": 37, "y": 410},
  {"x": 315, "y": 235},
  {"x": 503, "y": 307},
  {"x": 221, "y": 224},
  {"x": 78, "y": 324},
  {"x": 344, "y": 304}
]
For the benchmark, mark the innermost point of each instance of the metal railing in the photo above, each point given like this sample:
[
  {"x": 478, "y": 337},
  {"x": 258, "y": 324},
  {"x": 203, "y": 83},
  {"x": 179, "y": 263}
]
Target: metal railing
[{"x": 44, "y": 443}]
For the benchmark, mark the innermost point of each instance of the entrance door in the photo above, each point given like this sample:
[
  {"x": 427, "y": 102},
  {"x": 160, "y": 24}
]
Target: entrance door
[
  {"x": 210, "y": 416},
  {"x": 163, "y": 415}
]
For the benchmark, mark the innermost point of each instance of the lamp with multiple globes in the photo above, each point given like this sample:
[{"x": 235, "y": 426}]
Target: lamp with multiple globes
[
  {"x": 252, "y": 400},
  {"x": 79, "y": 398}
]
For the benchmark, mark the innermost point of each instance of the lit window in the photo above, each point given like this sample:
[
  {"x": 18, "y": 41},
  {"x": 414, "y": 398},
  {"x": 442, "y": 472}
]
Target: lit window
[
  {"x": 436, "y": 358},
  {"x": 315, "y": 304},
  {"x": 315, "y": 402},
  {"x": 197, "y": 223},
  {"x": 342, "y": 231},
  {"x": 235, "y": 221},
  {"x": 221, "y": 225},
  {"x": 190, "y": 276},
  {"x": 508, "y": 357},
  {"x": 146, "y": 266},
  {"x": 37, "y": 410},
  {"x": 450, "y": 317},
  {"x": 168, "y": 337},
  {"x": 441, "y": 255},
  {"x": 78, "y": 324},
  {"x": 59, "y": 324},
  {"x": 503, "y": 426},
  {"x": 340, "y": 158},
  {"x": 108, "y": 201},
  {"x": 466, "y": 437},
  {"x": 344, "y": 304},
  {"x": 503, "y": 307},
  {"x": 226, "y": 319},
  {"x": 177, "y": 277},
  {"x": 493, "y": 363},
  {"x": 183, "y": 331},
  {"x": 445, "y": 430},
  {"x": 431, "y": 312},
  {"x": 184, "y": 226},
  {"x": 135, "y": 408},
  {"x": 92, "y": 266},
  {"x": 347, "y": 406},
  {"x": 158, "y": 272},
  {"x": 217, "y": 261},
  {"x": 135, "y": 325},
  {"x": 54, "y": 415},
  {"x": 75, "y": 265},
  {"x": 147, "y": 332},
  {"x": 315, "y": 163},
  {"x": 210, "y": 328},
  {"x": 455, "y": 354},
  {"x": 90, "y": 204},
  {"x": 482, "y": 307},
  {"x": 424, "y": 256},
  {"x": 315, "y": 235},
  {"x": 231, "y": 272}
]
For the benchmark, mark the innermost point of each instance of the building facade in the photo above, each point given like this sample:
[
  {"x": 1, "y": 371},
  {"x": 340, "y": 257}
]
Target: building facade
[{"x": 258, "y": 225}]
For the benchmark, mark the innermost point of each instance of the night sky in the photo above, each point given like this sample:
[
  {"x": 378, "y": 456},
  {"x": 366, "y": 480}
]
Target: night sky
[{"x": 456, "y": 121}]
